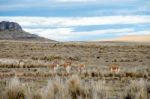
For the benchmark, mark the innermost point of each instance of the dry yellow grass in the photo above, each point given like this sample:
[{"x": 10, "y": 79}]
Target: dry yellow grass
[
  {"x": 95, "y": 82},
  {"x": 74, "y": 88}
]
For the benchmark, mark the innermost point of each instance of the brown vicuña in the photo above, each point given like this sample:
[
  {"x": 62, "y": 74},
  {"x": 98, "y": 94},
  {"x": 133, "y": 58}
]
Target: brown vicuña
[{"x": 114, "y": 68}]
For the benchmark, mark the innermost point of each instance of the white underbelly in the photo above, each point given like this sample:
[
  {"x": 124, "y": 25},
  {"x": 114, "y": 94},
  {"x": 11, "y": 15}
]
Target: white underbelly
[{"x": 68, "y": 69}]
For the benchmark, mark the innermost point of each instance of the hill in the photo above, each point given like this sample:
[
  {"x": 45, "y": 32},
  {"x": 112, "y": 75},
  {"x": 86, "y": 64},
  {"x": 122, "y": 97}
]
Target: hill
[{"x": 13, "y": 31}]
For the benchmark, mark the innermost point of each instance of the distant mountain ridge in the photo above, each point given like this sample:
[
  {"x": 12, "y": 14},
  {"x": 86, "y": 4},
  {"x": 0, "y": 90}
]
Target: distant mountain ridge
[{"x": 13, "y": 31}]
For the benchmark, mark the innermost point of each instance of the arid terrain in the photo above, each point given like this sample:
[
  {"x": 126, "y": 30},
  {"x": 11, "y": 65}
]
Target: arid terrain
[
  {"x": 28, "y": 65},
  {"x": 74, "y": 49}
]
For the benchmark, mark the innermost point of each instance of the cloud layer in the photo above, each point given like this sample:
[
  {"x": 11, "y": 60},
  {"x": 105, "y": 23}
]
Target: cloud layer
[
  {"x": 64, "y": 28},
  {"x": 77, "y": 21}
]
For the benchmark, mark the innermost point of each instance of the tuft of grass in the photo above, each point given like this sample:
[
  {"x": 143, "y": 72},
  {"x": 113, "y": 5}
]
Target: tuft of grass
[
  {"x": 36, "y": 96},
  {"x": 74, "y": 87},
  {"x": 136, "y": 90},
  {"x": 15, "y": 90},
  {"x": 55, "y": 89},
  {"x": 98, "y": 90}
]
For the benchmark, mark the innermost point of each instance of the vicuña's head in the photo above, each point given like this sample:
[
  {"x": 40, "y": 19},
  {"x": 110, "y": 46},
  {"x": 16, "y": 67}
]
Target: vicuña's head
[
  {"x": 67, "y": 63},
  {"x": 67, "y": 66},
  {"x": 81, "y": 67},
  {"x": 54, "y": 67},
  {"x": 114, "y": 68}
]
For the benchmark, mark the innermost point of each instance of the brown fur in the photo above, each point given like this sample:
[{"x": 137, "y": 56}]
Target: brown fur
[
  {"x": 81, "y": 67},
  {"x": 114, "y": 68}
]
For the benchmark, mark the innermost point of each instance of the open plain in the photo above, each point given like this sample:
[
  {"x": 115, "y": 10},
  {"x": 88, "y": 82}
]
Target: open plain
[{"x": 27, "y": 66}]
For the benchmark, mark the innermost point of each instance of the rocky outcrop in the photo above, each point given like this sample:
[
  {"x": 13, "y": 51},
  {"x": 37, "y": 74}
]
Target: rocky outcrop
[
  {"x": 10, "y": 26},
  {"x": 13, "y": 31}
]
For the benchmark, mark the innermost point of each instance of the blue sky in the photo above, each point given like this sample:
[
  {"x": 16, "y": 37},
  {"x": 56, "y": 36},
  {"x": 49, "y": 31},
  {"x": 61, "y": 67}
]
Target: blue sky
[{"x": 79, "y": 20}]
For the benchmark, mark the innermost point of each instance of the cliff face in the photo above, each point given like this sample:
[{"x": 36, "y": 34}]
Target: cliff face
[
  {"x": 10, "y": 26},
  {"x": 13, "y": 31}
]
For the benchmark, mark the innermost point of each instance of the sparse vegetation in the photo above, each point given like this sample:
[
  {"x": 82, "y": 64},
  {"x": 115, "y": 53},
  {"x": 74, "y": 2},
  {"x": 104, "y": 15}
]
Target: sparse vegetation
[
  {"x": 25, "y": 71},
  {"x": 75, "y": 88}
]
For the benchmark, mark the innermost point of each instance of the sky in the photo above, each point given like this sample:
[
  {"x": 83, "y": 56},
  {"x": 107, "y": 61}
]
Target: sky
[{"x": 79, "y": 20}]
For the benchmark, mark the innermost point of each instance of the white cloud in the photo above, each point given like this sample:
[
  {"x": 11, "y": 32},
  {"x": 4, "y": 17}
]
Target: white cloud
[
  {"x": 59, "y": 34},
  {"x": 77, "y": 21},
  {"x": 65, "y": 34}
]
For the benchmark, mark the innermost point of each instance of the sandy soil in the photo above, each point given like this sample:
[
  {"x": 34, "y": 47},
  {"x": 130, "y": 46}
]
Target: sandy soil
[{"x": 133, "y": 38}]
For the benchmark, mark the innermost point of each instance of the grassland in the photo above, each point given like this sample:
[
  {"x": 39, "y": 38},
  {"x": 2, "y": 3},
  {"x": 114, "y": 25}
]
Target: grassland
[{"x": 34, "y": 79}]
